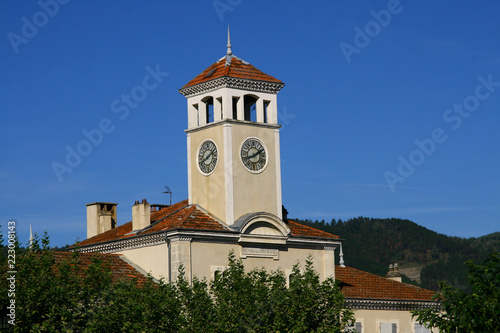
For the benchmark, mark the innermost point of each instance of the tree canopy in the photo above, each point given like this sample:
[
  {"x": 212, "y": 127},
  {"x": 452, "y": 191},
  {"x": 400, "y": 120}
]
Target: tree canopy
[
  {"x": 475, "y": 311},
  {"x": 372, "y": 243},
  {"x": 72, "y": 295}
]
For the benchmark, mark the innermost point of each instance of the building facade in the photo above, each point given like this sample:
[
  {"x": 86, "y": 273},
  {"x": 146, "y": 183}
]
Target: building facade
[
  {"x": 234, "y": 186},
  {"x": 383, "y": 305},
  {"x": 235, "y": 204}
]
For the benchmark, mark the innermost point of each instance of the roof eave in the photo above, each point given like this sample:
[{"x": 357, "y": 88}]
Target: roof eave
[
  {"x": 356, "y": 303},
  {"x": 328, "y": 242},
  {"x": 228, "y": 81}
]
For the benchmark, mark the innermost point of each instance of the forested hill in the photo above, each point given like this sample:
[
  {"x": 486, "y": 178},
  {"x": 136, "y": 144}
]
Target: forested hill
[{"x": 422, "y": 254}]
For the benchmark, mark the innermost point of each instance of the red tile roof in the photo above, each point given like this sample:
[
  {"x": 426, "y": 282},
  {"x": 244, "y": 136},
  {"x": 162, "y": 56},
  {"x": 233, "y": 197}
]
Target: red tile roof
[
  {"x": 301, "y": 230},
  {"x": 119, "y": 268},
  {"x": 359, "y": 284},
  {"x": 189, "y": 217},
  {"x": 119, "y": 232},
  {"x": 177, "y": 216},
  {"x": 237, "y": 68}
]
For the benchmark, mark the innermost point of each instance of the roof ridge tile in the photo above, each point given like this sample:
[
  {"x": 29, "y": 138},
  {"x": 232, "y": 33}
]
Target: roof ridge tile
[
  {"x": 173, "y": 212},
  {"x": 188, "y": 213}
]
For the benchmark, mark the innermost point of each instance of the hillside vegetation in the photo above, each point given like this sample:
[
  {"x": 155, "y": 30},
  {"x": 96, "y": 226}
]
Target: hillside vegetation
[{"x": 427, "y": 257}]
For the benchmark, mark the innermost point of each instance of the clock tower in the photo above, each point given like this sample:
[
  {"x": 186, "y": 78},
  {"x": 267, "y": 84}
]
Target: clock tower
[
  {"x": 234, "y": 169},
  {"x": 234, "y": 185}
]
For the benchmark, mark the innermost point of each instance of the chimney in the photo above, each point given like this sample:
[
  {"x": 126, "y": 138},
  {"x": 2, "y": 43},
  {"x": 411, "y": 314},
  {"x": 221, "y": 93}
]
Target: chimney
[
  {"x": 101, "y": 217},
  {"x": 284, "y": 214},
  {"x": 141, "y": 215},
  {"x": 394, "y": 273}
]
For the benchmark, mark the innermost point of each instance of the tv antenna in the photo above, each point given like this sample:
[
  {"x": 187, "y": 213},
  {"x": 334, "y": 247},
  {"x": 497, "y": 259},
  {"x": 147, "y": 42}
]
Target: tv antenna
[{"x": 168, "y": 191}]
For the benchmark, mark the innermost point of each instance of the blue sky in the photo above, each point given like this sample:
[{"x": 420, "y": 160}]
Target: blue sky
[{"x": 390, "y": 109}]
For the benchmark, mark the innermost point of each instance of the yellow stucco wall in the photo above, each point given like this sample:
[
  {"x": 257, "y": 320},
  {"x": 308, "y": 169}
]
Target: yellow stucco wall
[
  {"x": 207, "y": 191},
  {"x": 255, "y": 192},
  {"x": 231, "y": 185},
  {"x": 206, "y": 255},
  {"x": 371, "y": 319},
  {"x": 152, "y": 259}
]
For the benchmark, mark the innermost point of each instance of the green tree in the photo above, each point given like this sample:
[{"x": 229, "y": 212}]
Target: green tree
[
  {"x": 477, "y": 311},
  {"x": 198, "y": 309},
  {"x": 73, "y": 295},
  {"x": 67, "y": 293},
  {"x": 131, "y": 307},
  {"x": 244, "y": 302},
  {"x": 316, "y": 306},
  {"x": 56, "y": 296},
  {"x": 259, "y": 301}
]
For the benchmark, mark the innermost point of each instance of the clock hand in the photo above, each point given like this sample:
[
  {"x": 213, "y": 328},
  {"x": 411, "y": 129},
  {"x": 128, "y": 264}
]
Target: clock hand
[
  {"x": 206, "y": 157},
  {"x": 257, "y": 153}
]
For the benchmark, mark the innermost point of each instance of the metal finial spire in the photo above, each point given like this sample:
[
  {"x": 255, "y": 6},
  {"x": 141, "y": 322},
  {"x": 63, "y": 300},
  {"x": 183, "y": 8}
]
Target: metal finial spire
[
  {"x": 31, "y": 236},
  {"x": 229, "y": 52},
  {"x": 341, "y": 255}
]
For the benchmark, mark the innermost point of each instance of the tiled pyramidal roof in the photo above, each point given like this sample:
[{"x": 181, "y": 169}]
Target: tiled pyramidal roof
[
  {"x": 189, "y": 217},
  {"x": 231, "y": 66},
  {"x": 231, "y": 71}
]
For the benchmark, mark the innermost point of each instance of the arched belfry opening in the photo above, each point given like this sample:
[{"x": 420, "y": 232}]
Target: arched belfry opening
[
  {"x": 209, "y": 109},
  {"x": 250, "y": 107},
  {"x": 266, "y": 111},
  {"x": 235, "y": 107}
]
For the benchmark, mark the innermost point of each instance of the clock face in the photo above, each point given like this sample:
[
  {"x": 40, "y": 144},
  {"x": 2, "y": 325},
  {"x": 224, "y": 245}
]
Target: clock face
[
  {"x": 207, "y": 157},
  {"x": 253, "y": 155}
]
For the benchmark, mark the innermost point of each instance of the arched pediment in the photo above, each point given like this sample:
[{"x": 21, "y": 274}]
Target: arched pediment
[{"x": 261, "y": 228}]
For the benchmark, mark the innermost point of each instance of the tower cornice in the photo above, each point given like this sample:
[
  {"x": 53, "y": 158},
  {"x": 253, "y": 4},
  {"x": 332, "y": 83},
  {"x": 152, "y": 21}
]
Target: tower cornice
[
  {"x": 234, "y": 83},
  {"x": 233, "y": 122}
]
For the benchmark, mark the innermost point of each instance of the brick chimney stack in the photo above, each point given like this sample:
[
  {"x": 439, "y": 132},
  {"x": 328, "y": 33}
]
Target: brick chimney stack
[{"x": 394, "y": 273}]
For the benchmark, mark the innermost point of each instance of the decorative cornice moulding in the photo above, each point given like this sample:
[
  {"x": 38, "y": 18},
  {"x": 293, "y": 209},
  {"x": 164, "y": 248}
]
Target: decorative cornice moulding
[
  {"x": 397, "y": 305},
  {"x": 231, "y": 82}
]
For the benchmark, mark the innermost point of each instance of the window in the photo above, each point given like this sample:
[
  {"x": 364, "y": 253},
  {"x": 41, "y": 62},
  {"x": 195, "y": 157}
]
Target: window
[
  {"x": 388, "y": 328},
  {"x": 419, "y": 328},
  {"x": 291, "y": 277},
  {"x": 354, "y": 327},
  {"x": 217, "y": 271}
]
